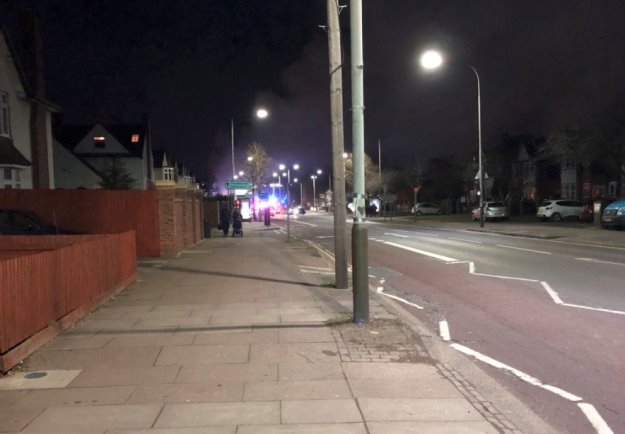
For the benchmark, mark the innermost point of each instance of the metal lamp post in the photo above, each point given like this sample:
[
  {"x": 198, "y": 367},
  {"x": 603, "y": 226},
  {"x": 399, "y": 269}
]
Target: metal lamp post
[
  {"x": 261, "y": 113},
  {"x": 432, "y": 59},
  {"x": 314, "y": 178},
  {"x": 288, "y": 197}
]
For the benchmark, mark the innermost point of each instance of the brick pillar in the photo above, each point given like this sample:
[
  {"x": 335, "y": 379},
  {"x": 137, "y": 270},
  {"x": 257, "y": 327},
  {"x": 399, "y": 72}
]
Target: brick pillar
[{"x": 167, "y": 219}]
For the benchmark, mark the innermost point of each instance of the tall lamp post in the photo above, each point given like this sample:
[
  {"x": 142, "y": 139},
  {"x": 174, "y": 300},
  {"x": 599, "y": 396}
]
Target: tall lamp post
[
  {"x": 432, "y": 59},
  {"x": 319, "y": 172},
  {"x": 261, "y": 113},
  {"x": 288, "y": 197},
  {"x": 314, "y": 178}
]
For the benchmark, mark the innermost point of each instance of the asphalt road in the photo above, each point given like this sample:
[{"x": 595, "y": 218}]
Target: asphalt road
[{"x": 544, "y": 318}]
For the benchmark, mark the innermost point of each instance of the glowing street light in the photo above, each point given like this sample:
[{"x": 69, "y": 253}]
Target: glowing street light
[{"x": 431, "y": 60}]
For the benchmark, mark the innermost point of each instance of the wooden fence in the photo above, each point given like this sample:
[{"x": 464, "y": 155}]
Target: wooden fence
[
  {"x": 95, "y": 212},
  {"x": 48, "y": 282}
]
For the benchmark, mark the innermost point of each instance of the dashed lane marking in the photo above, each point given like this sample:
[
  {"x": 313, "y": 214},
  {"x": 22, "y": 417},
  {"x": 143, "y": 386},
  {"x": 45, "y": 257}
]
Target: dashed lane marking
[
  {"x": 598, "y": 261},
  {"x": 524, "y": 250},
  {"x": 396, "y": 235},
  {"x": 444, "y": 330},
  {"x": 421, "y": 252},
  {"x": 465, "y": 240}
]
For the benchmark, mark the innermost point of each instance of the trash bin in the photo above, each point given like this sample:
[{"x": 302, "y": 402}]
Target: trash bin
[{"x": 207, "y": 229}]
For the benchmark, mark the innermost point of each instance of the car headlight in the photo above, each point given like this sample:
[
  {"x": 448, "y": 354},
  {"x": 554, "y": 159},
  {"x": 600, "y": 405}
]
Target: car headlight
[{"x": 620, "y": 211}]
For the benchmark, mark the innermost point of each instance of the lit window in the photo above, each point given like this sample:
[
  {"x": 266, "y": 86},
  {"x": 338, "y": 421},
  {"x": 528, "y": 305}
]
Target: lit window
[
  {"x": 99, "y": 141},
  {"x": 168, "y": 173},
  {"x": 5, "y": 120},
  {"x": 135, "y": 138}
]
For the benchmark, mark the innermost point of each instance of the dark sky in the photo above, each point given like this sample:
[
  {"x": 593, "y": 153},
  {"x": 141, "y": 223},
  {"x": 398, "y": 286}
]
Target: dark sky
[{"x": 195, "y": 64}]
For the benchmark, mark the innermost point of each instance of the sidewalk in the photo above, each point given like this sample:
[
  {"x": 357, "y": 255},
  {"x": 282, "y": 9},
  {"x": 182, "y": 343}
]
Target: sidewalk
[{"x": 240, "y": 335}]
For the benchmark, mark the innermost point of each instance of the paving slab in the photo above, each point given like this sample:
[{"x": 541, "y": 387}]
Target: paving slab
[
  {"x": 207, "y": 414},
  {"x": 194, "y": 430},
  {"x": 320, "y": 411},
  {"x": 465, "y": 427},
  {"x": 391, "y": 371},
  {"x": 14, "y": 419},
  {"x": 406, "y": 410},
  {"x": 132, "y": 357},
  {"x": 297, "y": 390},
  {"x": 88, "y": 419},
  {"x": 430, "y": 388},
  {"x": 75, "y": 396},
  {"x": 93, "y": 377},
  {"x": 294, "y": 352},
  {"x": 234, "y": 372},
  {"x": 189, "y": 355},
  {"x": 188, "y": 392},
  {"x": 321, "y": 428},
  {"x": 68, "y": 342},
  {"x": 308, "y": 334},
  {"x": 45, "y": 379},
  {"x": 234, "y": 337},
  {"x": 150, "y": 339},
  {"x": 301, "y": 371}
]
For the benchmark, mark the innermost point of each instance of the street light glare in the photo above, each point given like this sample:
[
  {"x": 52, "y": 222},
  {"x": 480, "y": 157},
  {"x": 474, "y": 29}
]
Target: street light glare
[
  {"x": 250, "y": 158},
  {"x": 296, "y": 166},
  {"x": 319, "y": 171},
  {"x": 261, "y": 113},
  {"x": 282, "y": 167},
  {"x": 431, "y": 59}
]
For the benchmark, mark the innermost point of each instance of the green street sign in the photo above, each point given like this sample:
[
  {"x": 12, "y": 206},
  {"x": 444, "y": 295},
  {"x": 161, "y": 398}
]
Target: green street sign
[{"x": 237, "y": 184}]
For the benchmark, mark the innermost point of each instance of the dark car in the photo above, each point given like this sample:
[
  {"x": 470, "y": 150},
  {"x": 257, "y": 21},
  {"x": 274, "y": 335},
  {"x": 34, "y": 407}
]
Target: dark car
[
  {"x": 22, "y": 222},
  {"x": 587, "y": 213}
]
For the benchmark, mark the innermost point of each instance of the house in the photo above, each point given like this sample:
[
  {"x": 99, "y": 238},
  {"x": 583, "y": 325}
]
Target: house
[
  {"x": 71, "y": 172},
  {"x": 167, "y": 171},
  {"x": 103, "y": 148},
  {"x": 25, "y": 118}
]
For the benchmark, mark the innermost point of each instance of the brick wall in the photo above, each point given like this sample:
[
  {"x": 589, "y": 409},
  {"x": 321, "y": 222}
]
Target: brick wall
[{"x": 180, "y": 218}]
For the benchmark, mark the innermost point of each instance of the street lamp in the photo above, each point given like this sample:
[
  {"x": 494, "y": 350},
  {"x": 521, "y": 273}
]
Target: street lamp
[
  {"x": 261, "y": 113},
  {"x": 288, "y": 196},
  {"x": 314, "y": 179},
  {"x": 432, "y": 59}
]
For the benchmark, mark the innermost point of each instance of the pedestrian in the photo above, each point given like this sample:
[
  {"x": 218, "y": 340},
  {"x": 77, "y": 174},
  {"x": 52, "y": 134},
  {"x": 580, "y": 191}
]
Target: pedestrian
[
  {"x": 224, "y": 219},
  {"x": 267, "y": 216}
]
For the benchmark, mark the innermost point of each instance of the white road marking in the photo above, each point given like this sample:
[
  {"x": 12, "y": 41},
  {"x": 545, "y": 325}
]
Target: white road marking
[
  {"x": 472, "y": 271},
  {"x": 525, "y": 250},
  {"x": 458, "y": 262},
  {"x": 324, "y": 236},
  {"x": 554, "y": 295},
  {"x": 598, "y": 309},
  {"x": 427, "y": 235},
  {"x": 444, "y": 330},
  {"x": 598, "y": 261},
  {"x": 520, "y": 374},
  {"x": 315, "y": 268},
  {"x": 464, "y": 239},
  {"x": 595, "y": 418},
  {"x": 396, "y": 235},
  {"x": 421, "y": 252},
  {"x": 379, "y": 289},
  {"x": 394, "y": 297},
  {"x": 317, "y": 272},
  {"x": 302, "y": 223}
]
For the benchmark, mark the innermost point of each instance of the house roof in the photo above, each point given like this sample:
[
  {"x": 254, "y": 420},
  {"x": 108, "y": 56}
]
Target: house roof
[
  {"x": 71, "y": 135},
  {"x": 159, "y": 156},
  {"x": 9, "y": 155}
]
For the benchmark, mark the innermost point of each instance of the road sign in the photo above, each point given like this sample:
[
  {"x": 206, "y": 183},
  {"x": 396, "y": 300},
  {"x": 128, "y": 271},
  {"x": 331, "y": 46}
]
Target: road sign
[{"x": 237, "y": 184}]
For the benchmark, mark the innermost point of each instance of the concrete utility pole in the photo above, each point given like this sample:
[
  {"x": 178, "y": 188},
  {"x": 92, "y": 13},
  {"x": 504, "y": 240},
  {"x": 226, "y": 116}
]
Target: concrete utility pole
[
  {"x": 360, "y": 262},
  {"x": 338, "y": 167}
]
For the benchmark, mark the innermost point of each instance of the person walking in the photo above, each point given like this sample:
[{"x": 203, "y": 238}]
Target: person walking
[{"x": 224, "y": 219}]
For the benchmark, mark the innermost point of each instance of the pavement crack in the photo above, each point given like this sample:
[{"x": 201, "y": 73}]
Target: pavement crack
[{"x": 306, "y": 357}]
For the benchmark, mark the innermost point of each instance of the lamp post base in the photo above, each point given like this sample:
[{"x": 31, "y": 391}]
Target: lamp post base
[{"x": 360, "y": 273}]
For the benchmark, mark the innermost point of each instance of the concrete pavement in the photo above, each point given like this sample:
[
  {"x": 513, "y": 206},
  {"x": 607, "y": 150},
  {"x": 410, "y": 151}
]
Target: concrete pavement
[{"x": 242, "y": 335}]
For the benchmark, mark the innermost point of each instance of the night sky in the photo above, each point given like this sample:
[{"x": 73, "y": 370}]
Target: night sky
[{"x": 195, "y": 64}]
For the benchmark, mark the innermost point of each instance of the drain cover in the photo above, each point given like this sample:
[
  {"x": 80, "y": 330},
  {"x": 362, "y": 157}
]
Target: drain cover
[{"x": 33, "y": 375}]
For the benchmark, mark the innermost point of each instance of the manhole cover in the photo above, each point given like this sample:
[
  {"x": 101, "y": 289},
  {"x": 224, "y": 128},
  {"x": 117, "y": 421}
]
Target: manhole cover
[{"x": 34, "y": 375}]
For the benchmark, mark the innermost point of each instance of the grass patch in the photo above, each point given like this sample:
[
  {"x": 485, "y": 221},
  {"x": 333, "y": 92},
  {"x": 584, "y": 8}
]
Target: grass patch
[
  {"x": 342, "y": 318},
  {"x": 328, "y": 285}
]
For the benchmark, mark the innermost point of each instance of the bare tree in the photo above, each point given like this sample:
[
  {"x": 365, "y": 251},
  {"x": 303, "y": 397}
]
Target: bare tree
[
  {"x": 372, "y": 180},
  {"x": 256, "y": 165}
]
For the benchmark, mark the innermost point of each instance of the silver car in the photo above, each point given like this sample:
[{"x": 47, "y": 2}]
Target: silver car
[
  {"x": 492, "y": 211},
  {"x": 426, "y": 208}
]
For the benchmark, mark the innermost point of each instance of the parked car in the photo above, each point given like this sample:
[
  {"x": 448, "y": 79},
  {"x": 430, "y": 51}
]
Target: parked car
[
  {"x": 23, "y": 222},
  {"x": 614, "y": 215},
  {"x": 556, "y": 210},
  {"x": 492, "y": 211},
  {"x": 587, "y": 213},
  {"x": 425, "y": 208}
]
